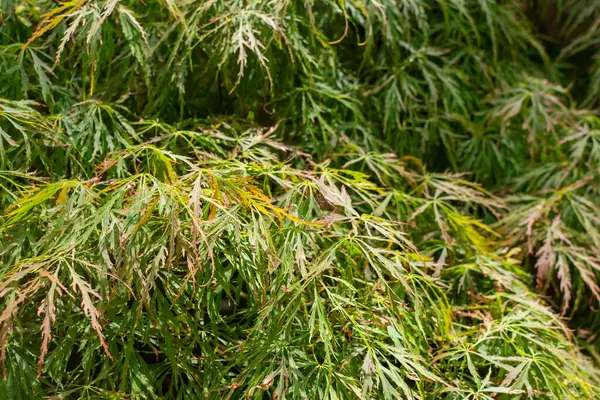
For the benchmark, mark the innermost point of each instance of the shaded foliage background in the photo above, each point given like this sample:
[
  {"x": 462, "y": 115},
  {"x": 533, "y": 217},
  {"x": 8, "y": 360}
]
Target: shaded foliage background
[{"x": 299, "y": 199}]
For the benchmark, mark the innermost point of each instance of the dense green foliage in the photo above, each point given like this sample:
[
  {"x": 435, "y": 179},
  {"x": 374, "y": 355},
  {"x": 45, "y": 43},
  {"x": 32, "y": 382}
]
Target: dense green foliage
[{"x": 299, "y": 199}]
